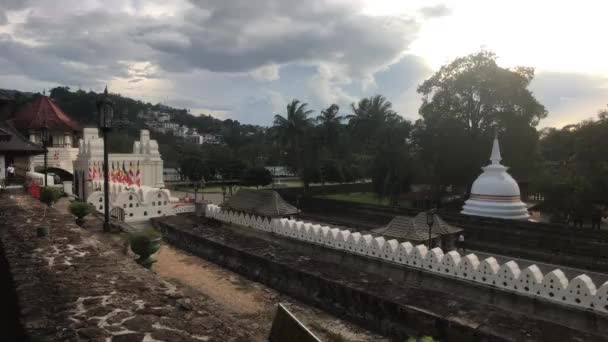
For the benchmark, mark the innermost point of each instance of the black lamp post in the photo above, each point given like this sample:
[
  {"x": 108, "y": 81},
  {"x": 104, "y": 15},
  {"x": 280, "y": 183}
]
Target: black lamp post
[
  {"x": 430, "y": 220},
  {"x": 105, "y": 109},
  {"x": 44, "y": 137}
]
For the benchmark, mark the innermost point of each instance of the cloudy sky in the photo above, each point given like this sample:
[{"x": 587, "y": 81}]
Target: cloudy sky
[{"x": 245, "y": 59}]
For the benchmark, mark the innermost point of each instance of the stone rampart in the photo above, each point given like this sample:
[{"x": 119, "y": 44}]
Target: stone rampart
[
  {"x": 552, "y": 243},
  {"x": 382, "y": 301},
  {"x": 580, "y": 292},
  {"x": 78, "y": 286}
]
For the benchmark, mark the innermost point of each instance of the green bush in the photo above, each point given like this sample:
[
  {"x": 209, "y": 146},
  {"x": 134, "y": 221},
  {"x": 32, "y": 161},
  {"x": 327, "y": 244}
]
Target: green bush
[
  {"x": 81, "y": 209},
  {"x": 141, "y": 241},
  {"x": 49, "y": 195},
  {"x": 145, "y": 243}
]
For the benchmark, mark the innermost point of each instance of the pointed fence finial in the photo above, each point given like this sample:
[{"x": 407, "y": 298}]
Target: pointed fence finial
[{"x": 495, "y": 157}]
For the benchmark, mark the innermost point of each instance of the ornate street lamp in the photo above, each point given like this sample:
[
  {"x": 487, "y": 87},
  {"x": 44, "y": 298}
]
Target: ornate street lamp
[
  {"x": 430, "y": 220},
  {"x": 44, "y": 137},
  {"x": 105, "y": 109}
]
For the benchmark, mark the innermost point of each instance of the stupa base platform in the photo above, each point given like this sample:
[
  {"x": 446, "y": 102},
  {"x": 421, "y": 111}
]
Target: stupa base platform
[{"x": 509, "y": 211}]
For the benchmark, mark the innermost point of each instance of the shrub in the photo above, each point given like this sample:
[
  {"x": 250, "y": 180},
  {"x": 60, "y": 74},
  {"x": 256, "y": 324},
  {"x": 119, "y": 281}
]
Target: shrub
[
  {"x": 80, "y": 209},
  {"x": 142, "y": 239},
  {"x": 145, "y": 243},
  {"x": 49, "y": 195}
]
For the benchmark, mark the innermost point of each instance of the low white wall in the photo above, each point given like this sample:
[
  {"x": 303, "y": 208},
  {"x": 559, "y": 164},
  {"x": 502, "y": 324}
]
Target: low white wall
[{"x": 554, "y": 286}]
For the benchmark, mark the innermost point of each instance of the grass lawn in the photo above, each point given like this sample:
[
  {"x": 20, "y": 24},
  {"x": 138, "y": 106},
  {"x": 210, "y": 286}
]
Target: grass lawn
[{"x": 357, "y": 197}]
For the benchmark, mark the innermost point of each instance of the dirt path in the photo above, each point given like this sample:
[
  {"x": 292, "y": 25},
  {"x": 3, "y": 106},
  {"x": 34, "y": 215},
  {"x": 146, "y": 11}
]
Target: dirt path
[{"x": 251, "y": 302}]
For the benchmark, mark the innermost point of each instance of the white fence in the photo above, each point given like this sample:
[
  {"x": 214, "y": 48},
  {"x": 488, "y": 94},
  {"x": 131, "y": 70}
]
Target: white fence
[{"x": 554, "y": 286}]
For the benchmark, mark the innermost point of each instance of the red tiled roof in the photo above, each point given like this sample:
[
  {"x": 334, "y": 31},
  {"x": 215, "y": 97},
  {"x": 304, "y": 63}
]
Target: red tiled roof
[{"x": 43, "y": 111}]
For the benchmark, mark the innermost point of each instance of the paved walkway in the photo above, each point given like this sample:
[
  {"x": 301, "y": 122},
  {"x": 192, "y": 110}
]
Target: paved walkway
[{"x": 77, "y": 285}]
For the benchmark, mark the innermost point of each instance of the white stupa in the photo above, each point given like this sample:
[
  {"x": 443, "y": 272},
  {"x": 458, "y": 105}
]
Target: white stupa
[{"x": 495, "y": 193}]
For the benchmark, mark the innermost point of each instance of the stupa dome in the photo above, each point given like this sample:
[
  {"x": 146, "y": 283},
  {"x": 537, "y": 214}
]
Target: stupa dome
[{"x": 495, "y": 193}]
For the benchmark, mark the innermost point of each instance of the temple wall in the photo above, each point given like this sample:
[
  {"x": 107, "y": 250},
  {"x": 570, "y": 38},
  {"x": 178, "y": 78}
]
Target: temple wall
[
  {"x": 136, "y": 179},
  {"x": 579, "y": 292},
  {"x": 145, "y": 158}
]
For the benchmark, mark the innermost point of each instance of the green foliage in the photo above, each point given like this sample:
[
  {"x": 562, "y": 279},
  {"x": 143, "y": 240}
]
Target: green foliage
[
  {"x": 480, "y": 94},
  {"x": 331, "y": 171},
  {"x": 193, "y": 167},
  {"x": 464, "y": 105},
  {"x": 291, "y": 130},
  {"x": 81, "y": 209},
  {"x": 50, "y": 195},
  {"x": 257, "y": 176},
  {"x": 575, "y": 180},
  {"x": 145, "y": 243}
]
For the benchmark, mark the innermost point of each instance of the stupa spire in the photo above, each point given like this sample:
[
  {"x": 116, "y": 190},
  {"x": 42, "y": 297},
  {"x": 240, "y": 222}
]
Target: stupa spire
[{"x": 495, "y": 157}]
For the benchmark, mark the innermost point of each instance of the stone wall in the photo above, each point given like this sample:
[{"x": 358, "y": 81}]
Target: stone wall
[
  {"x": 579, "y": 292},
  {"x": 552, "y": 243},
  {"x": 78, "y": 286},
  {"x": 393, "y": 306}
]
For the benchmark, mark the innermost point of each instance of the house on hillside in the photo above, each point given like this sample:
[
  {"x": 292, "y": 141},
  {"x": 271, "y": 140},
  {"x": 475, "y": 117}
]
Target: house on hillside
[{"x": 213, "y": 139}]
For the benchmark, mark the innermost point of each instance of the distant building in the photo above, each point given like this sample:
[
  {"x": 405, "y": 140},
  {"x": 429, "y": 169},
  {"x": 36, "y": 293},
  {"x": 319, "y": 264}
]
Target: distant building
[
  {"x": 280, "y": 171},
  {"x": 182, "y": 131},
  {"x": 193, "y": 138},
  {"x": 64, "y": 133},
  {"x": 136, "y": 182},
  {"x": 214, "y": 139},
  {"x": 163, "y": 117},
  {"x": 15, "y": 150},
  {"x": 202, "y": 139},
  {"x": 171, "y": 174}
]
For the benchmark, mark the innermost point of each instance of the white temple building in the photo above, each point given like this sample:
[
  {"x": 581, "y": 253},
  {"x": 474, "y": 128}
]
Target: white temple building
[
  {"x": 495, "y": 193},
  {"x": 137, "y": 190}
]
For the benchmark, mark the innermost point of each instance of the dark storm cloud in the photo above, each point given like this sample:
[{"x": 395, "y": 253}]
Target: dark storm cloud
[
  {"x": 89, "y": 42},
  {"x": 243, "y": 35},
  {"x": 226, "y": 36},
  {"x": 25, "y": 60}
]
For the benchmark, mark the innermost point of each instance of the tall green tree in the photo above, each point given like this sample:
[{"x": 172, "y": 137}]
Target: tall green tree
[
  {"x": 193, "y": 167},
  {"x": 370, "y": 116},
  {"x": 464, "y": 105},
  {"x": 257, "y": 176},
  {"x": 329, "y": 123},
  {"x": 480, "y": 94},
  {"x": 291, "y": 130}
]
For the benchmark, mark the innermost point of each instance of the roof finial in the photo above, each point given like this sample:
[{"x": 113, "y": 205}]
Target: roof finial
[
  {"x": 44, "y": 92},
  {"x": 105, "y": 91},
  {"x": 496, "y": 157}
]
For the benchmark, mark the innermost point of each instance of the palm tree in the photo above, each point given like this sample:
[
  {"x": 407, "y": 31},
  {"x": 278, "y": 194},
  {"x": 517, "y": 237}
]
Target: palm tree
[
  {"x": 370, "y": 115},
  {"x": 291, "y": 129},
  {"x": 329, "y": 121}
]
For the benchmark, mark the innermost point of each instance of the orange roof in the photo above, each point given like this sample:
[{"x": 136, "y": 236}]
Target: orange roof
[{"x": 43, "y": 111}]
